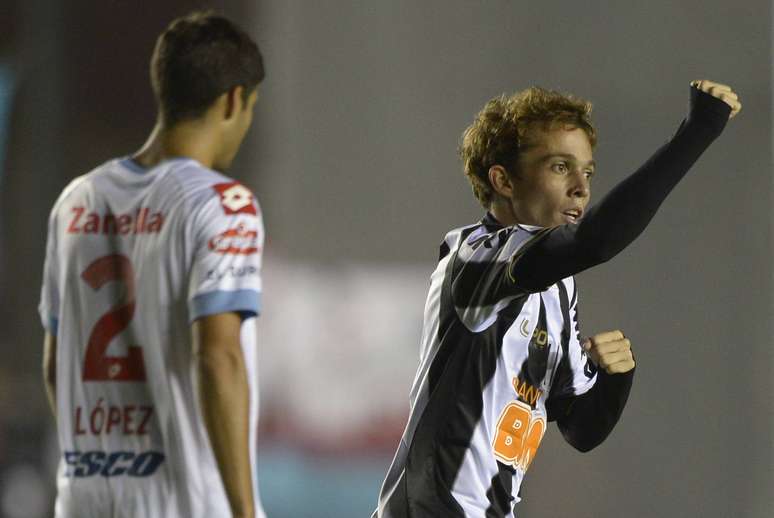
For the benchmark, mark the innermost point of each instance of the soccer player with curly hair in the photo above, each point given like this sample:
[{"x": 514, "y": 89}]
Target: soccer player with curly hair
[{"x": 501, "y": 354}]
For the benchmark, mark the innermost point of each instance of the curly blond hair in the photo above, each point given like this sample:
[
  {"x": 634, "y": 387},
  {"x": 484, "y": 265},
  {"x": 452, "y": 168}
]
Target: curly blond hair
[{"x": 502, "y": 129}]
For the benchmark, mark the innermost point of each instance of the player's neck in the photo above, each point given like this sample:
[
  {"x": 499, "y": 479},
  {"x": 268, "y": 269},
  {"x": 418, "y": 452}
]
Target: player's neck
[
  {"x": 193, "y": 139},
  {"x": 503, "y": 213}
]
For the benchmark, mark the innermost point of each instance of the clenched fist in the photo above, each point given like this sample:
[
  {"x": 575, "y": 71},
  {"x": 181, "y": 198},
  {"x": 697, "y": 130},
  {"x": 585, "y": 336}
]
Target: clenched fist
[
  {"x": 610, "y": 351},
  {"x": 720, "y": 91}
]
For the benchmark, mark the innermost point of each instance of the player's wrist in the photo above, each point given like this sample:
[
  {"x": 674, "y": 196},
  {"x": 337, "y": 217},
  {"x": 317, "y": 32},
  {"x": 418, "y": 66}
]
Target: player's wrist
[
  {"x": 708, "y": 111},
  {"x": 245, "y": 514},
  {"x": 243, "y": 507}
]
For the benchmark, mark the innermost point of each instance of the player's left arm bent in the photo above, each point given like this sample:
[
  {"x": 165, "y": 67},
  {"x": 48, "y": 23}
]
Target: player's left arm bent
[{"x": 586, "y": 420}]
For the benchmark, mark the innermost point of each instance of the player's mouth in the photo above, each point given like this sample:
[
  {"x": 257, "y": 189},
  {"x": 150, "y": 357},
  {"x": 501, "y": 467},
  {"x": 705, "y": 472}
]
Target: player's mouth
[{"x": 573, "y": 215}]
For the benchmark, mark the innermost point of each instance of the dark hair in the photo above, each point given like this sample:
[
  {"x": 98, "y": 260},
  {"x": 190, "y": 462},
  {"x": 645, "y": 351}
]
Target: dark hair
[
  {"x": 502, "y": 129},
  {"x": 197, "y": 58}
]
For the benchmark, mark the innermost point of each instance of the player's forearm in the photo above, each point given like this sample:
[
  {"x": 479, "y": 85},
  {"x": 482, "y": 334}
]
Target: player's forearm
[
  {"x": 625, "y": 212},
  {"x": 224, "y": 395},
  {"x": 49, "y": 370},
  {"x": 51, "y": 396},
  {"x": 617, "y": 220},
  {"x": 586, "y": 420}
]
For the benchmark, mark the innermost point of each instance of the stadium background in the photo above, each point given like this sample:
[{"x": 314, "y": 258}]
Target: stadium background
[{"x": 352, "y": 156}]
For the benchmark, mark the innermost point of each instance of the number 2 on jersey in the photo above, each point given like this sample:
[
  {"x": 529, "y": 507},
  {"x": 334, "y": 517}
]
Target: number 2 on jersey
[
  {"x": 97, "y": 365},
  {"x": 518, "y": 435}
]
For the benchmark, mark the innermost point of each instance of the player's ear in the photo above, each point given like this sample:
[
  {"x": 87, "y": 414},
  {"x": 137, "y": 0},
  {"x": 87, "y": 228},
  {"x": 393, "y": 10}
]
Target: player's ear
[
  {"x": 233, "y": 102},
  {"x": 500, "y": 181}
]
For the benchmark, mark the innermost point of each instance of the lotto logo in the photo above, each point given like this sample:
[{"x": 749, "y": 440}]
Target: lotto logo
[{"x": 235, "y": 198}]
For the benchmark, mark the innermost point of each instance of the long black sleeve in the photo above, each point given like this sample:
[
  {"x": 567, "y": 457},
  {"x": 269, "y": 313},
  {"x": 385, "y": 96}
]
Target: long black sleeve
[
  {"x": 613, "y": 223},
  {"x": 586, "y": 420}
]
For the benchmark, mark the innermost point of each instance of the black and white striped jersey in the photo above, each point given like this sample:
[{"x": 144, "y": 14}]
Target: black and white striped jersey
[
  {"x": 492, "y": 356},
  {"x": 497, "y": 358}
]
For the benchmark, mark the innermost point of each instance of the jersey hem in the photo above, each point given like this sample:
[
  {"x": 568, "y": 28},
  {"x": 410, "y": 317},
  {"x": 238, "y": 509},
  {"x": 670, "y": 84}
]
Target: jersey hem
[{"x": 245, "y": 302}]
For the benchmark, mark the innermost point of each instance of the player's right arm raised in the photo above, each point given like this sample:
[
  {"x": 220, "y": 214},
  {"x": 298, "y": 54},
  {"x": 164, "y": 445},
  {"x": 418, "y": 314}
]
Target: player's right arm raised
[
  {"x": 622, "y": 215},
  {"x": 225, "y": 399}
]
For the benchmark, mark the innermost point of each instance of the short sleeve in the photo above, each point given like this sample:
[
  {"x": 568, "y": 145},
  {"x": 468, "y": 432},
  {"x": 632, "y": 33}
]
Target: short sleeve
[
  {"x": 49, "y": 293},
  {"x": 576, "y": 373},
  {"x": 228, "y": 237}
]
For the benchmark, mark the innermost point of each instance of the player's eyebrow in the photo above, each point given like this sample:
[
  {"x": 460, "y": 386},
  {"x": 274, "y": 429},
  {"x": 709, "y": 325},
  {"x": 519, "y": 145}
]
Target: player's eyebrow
[{"x": 567, "y": 156}]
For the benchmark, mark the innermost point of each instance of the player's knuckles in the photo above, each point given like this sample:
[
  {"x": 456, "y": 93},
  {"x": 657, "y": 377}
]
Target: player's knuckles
[
  {"x": 606, "y": 349},
  {"x": 611, "y": 347},
  {"x": 618, "y": 345},
  {"x": 608, "y": 359},
  {"x": 620, "y": 367},
  {"x": 607, "y": 336},
  {"x": 728, "y": 100},
  {"x": 713, "y": 86},
  {"x": 616, "y": 357}
]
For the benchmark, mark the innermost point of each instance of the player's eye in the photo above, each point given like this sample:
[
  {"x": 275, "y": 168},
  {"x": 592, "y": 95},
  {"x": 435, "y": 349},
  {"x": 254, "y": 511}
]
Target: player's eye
[
  {"x": 589, "y": 174},
  {"x": 560, "y": 167}
]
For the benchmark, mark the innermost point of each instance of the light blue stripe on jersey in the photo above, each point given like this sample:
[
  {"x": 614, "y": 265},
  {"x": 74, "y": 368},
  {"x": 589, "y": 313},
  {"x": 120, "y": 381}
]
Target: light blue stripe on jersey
[
  {"x": 246, "y": 302},
  {"x": 53, "y": 325},
  {"x": 133, "y": 166}
]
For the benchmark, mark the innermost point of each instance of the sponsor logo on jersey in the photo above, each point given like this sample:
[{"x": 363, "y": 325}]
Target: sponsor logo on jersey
[
  {"x": 526, "y": 392},
  {"x": 238, "y": 241},
  {"x": 524, "y": 328},
  {"x": 235, "y": 198},
  {"x": 97, "y": 462},
  {"x": 142, "y": 221},
  {"x": 232, "y": 271},
  {"x": 539, "y": 338}
]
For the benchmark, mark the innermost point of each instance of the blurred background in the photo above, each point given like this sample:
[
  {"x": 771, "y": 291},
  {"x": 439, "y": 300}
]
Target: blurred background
[{"x": 353, "y": 158}]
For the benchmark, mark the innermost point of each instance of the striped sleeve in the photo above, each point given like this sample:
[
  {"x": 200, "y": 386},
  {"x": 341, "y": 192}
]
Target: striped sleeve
[
  {"x": 481, "y": 277},
  {"x": 576, "y": 373}
]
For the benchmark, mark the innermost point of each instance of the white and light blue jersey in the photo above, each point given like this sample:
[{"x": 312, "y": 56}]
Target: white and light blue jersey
[{"x": 133, "y": 257}]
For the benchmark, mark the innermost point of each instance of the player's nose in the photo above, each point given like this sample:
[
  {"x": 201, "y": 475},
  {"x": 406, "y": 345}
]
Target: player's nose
[{"x": 579, "y": 185}]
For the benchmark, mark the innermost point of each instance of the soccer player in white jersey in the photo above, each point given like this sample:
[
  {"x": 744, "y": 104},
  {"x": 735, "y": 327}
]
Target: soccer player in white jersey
[
  {"x": 501, "y": 353},
  {"x": 150, "y": 295}
]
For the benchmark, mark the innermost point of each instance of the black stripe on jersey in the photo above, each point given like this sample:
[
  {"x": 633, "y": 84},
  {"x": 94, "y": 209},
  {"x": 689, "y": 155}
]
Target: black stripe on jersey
[
  {"x": 446, "y": 318},
  {"x": 444, "y": 251},
  {"x": 462, "y": 368},
  {"x": 534, "y": 367},
  {"x": 499, "y": 492},
  {"x": 481, "y": 284},
  {"x": 564, "y": 303},
  {"x": 563, "y": 374}
]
